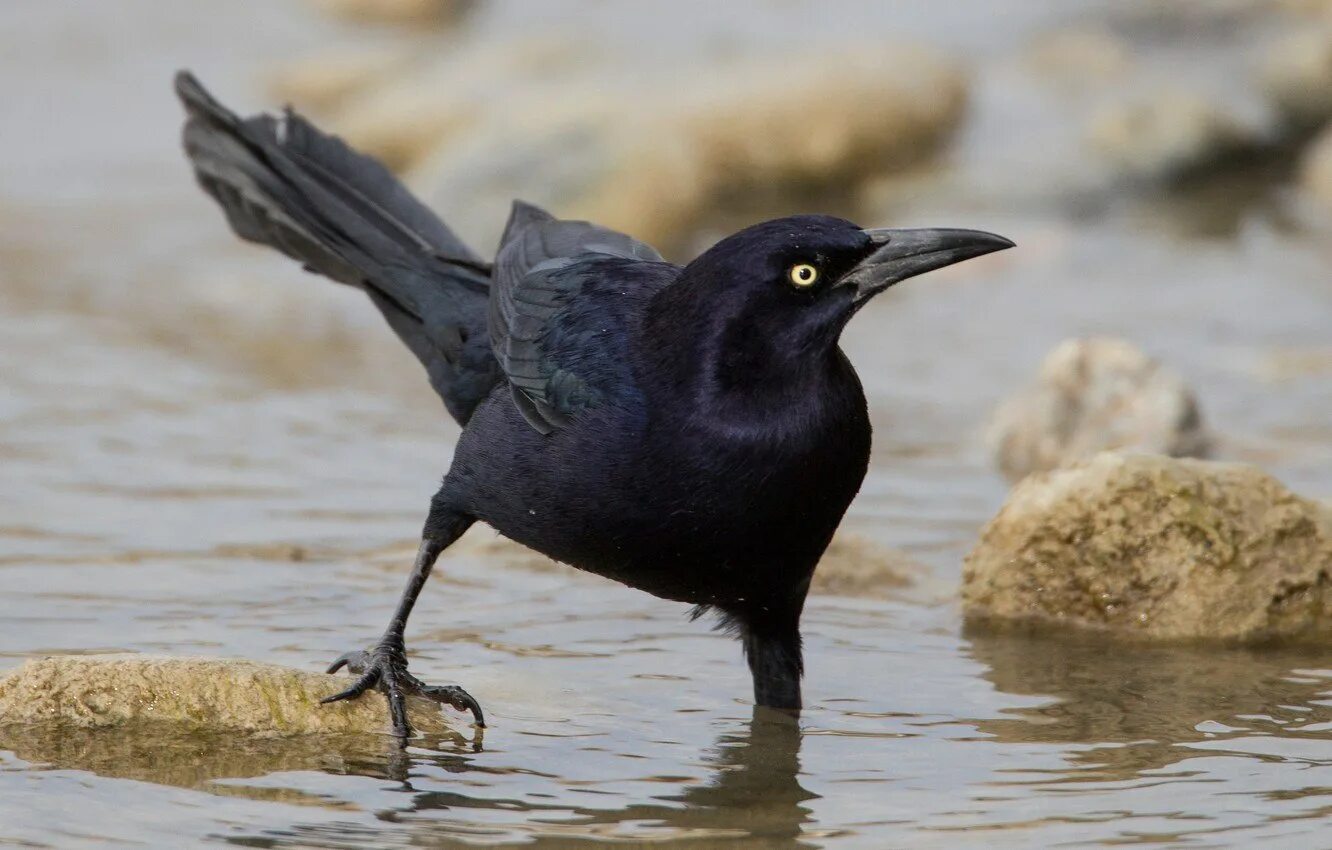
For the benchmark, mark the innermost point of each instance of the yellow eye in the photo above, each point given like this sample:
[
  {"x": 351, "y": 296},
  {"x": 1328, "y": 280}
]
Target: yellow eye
[{"x": 804, "y": 275}]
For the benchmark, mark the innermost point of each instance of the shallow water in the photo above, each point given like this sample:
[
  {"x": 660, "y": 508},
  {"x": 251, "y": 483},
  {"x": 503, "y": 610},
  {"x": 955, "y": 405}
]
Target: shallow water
[{"x": 205, "y": 452}]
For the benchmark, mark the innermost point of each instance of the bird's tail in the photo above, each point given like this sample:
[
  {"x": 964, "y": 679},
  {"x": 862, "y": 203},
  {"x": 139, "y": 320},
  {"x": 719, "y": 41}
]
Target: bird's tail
[{"x": 283, "y": 183}]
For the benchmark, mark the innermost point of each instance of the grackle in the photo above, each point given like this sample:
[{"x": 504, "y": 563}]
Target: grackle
[{"x": 692, "y": 431}]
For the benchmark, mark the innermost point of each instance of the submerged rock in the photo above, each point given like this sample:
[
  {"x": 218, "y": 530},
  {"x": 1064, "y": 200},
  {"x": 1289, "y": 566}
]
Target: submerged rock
[
  {"x": 172, "y": 754},
  {"x": 1156, "y": 548},
  {"x": 1168, "y": 135},
  {"x": 1094, "y": 395},
  {"x": 198, "y": 693}
]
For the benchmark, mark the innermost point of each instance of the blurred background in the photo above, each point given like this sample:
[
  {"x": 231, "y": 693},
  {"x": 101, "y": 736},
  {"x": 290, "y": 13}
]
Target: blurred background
[{"x": 204, "y": 450}]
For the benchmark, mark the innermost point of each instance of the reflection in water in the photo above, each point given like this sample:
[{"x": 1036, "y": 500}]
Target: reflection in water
[
  {"x": 752, "y": 797},
  {"x": 1135, "y": 705},
  {"x": 169, "y": 755}
]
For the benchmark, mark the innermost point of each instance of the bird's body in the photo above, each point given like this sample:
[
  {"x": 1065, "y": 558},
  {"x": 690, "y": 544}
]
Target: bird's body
[
  {"x": 729, "y": 513},
  {"x": 694, "y": 432}
]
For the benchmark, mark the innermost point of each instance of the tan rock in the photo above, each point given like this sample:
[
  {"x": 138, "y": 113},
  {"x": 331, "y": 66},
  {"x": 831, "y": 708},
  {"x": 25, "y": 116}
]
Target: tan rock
[
  {"x": 854, "y": 565},
  {"x": 801, "y": 128},
  {"x": 1156, "y": 548},
  {"x": 198, "y": 693},
  {"x": 1297, "y": 77},
  {"x": 1094, "y": 395},
  {"x": 401, "y": 12},
  {"x": 1167, "y": 135},
  {"x": 661, "y": 159}
]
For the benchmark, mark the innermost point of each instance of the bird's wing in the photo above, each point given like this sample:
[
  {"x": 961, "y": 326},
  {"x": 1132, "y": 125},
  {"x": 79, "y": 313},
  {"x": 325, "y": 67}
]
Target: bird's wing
[{"x": 542, "y": 266}]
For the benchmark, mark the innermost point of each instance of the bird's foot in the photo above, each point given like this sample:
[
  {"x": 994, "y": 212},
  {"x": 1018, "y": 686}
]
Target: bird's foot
[{"x": 384, "y": 666}]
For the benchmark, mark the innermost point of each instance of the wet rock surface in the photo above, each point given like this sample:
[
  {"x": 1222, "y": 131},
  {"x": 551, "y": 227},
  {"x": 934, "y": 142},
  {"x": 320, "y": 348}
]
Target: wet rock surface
[
  {"x": 1094, "y": 395},
  {"x": 93, "y": 691},
  {"x": 1156, "y": 548}
]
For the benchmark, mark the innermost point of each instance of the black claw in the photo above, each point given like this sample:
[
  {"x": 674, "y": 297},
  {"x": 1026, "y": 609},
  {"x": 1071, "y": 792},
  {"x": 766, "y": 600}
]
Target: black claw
[
  {"x": 385, "y": 667},
  {"x": 456, "y": 697},
  {"x": 362, "y": 685},
  {"x": 343, "y": 660}
]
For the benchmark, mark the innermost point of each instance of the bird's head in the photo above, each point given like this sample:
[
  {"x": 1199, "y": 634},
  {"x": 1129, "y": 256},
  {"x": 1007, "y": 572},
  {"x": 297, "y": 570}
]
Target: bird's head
[{"x": 779, "y": 293}]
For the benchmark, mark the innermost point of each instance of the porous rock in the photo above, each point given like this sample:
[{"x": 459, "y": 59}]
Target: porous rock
[
  {"x": 1091, "y": 395},
  {"x": 200, "y": 693},
  {"x": 1156, "y": 548}
]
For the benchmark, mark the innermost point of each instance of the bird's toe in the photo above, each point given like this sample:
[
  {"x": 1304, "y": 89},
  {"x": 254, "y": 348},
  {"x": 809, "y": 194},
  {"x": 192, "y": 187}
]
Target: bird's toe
[{"x": 456, "y": 697}]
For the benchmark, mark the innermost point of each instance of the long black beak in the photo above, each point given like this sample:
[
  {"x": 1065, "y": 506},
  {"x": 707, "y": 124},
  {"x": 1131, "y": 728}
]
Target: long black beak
[{"x": 904, "y": 253}]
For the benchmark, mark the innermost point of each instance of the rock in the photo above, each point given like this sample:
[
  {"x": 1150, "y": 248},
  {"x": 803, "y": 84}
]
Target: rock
[
  {"x": 1156, "y": 548},
  {"x": 1167, "y": 135},
  {"x": 1297, "y": 78},
  {"x": 1316, "y": 170},
  {"x": 401, "y": 12},
  {"x": 195, "y": 693},
  {"x": 661, "y": 159},
  {"x": 1094, "y": 395},
  {"x": 857, "y": 566}
]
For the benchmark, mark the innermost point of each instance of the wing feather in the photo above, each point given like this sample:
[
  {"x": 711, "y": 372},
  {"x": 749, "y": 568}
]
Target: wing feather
[{"x": 542, "y": 265}]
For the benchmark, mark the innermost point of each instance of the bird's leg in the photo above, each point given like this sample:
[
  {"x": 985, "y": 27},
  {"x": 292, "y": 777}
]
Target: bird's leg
[
  {"x": 773, "y": 652},
  {"x": 384, "y": 665}
]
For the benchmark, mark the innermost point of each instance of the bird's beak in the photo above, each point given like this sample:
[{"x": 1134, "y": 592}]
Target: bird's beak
[{"x": 905, "y": 253}]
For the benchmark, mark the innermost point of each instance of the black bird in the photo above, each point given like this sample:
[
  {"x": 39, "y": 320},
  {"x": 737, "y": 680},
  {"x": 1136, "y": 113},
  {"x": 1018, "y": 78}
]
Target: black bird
[{"x": 694, "y": 432}]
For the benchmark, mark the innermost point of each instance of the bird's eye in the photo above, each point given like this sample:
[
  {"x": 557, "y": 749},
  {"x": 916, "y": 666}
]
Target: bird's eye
[{"x": 803, "y": 275}]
